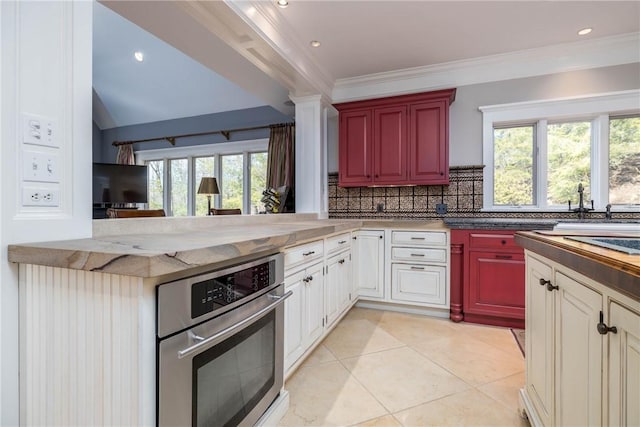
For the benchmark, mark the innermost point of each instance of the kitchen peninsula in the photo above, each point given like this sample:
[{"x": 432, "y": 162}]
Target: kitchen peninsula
[
  {"x": 88, "y": 306},
  {"x": 583, "y": 332}
]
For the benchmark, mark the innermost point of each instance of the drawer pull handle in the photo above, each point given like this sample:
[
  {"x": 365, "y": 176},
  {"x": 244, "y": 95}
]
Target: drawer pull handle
[
  {"x": 603, "y": 329},
  {"x": 417, "y": 238},
  {"x": 417, "y": 268},
  {"x": 308, "y": 253},
  {"x": 504, "y": 256},
  {"x": 342, "y": 242},
  {"x": 341, "y": 261},
  {"x": 417, "y": 255}
]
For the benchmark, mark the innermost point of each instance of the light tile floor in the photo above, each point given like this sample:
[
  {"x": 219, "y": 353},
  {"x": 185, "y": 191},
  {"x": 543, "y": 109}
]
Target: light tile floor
[{"x": 381, "y": 368}]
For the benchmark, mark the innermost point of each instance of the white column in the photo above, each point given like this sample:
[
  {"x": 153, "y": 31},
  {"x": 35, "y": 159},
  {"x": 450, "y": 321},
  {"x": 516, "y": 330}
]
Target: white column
[
  {"x": 45, "y": 70},
  {"x": 311, "y": 154}
]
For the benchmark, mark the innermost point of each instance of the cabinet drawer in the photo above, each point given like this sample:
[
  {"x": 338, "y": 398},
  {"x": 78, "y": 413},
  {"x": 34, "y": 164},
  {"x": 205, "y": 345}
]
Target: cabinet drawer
[
  {"x": 425, "y": 238},
  {"x": 419, "y": 284},
  {"x": 303, "y": 253},
  {"x": 419, "y": 254},
  {"x": 339, "y": 242},
  {"x": 494, "y": 241}
]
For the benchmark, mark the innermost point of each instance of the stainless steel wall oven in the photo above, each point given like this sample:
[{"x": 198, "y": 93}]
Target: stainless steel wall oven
[{"x": 220, "y": 345}]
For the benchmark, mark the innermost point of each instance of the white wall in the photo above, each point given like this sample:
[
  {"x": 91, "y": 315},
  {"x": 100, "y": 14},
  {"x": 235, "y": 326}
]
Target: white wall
[
  {"x": 45, "y": 69},
  {"x": 465, "y": 125}
]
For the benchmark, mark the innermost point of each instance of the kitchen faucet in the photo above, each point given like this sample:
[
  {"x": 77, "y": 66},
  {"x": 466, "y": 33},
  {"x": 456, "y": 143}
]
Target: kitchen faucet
[{"x": 581, "y": 209}]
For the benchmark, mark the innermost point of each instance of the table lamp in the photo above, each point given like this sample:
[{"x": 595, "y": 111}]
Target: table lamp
[{"x": 208, "y": 186}]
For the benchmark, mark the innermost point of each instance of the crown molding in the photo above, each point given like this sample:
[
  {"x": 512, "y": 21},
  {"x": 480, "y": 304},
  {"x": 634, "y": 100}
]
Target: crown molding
[
  {"x": 264, "y": 19},
  {"x": 595, "y": 53}
]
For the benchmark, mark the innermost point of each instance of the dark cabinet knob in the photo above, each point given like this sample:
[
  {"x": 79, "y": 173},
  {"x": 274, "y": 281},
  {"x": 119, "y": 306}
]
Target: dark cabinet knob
[
  {"x": 551, "y": 288},
  {"x": 504, "y": 242},
  {"x": 544, "y": 282},
  {"x": 603, "y": 329}
]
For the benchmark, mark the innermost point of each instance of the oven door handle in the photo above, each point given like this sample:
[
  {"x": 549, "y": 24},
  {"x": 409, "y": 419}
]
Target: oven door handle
[{"x": 206, "y": 341}]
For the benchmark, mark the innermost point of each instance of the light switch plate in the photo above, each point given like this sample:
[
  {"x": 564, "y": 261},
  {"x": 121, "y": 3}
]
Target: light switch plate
[
  {"x": 39, "y": 130},
  {"x": 40, "y": 166}
]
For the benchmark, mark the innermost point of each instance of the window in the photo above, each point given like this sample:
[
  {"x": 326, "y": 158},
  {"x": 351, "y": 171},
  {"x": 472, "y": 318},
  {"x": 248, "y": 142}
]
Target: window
[
  {"x": 624, "y": 160},
  {"x": 240, "y": 168},
  {"x": 537, "y": 153},
  {"x": 232, "y": 181}
]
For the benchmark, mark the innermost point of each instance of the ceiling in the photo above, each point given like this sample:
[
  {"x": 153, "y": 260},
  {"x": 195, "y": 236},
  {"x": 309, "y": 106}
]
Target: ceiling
[{"x": 250, "y": 53}]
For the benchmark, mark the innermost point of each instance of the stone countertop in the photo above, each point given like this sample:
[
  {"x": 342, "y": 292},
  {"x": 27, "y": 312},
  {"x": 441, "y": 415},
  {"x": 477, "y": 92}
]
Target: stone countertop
[
  {"x": 480, "y": 223},
  {"x": 156, "y": 254},
  {"x": 614, "y": 269}
]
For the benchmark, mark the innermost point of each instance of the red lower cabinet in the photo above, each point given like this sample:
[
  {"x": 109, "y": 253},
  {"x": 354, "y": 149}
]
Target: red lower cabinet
[{"x": 488, "y": 286}]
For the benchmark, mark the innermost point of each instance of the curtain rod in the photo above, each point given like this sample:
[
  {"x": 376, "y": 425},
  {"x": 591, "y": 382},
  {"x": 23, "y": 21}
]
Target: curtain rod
[{"x": 225, "y": 133}]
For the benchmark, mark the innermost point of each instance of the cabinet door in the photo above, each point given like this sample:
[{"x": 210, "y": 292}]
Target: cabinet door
[
  {"x": 356, "y": 148},
  {"x": 346, "y": 295},
  {"x": 579, "y": 348},
  {"x": 293, "y": 319},
  {"x": 624, "y": 367},
  {"x": 429, "y": 143},
  {"x": 314, "y": 304},
  {"x": 424, "y": 284},
  {"x": 496, "y": 284},
  {"x": 390, "y": 145},
  {"x": 332, "y": 285},
  {"x": 539, "y": 339},
  {"x": 368, "y": 263}
]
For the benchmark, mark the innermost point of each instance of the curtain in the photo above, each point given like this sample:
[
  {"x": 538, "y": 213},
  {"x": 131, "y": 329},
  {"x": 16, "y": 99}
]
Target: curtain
[
  {"x": 281, "y": 158},
  {"x": 125, "y": 155}
]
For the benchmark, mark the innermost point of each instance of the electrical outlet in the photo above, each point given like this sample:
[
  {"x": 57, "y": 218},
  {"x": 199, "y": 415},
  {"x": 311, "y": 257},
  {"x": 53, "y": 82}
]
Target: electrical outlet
[
  {"x": 441, "y": 208},
  {"x": 40, "y": 196},
  {"x": 380, "y": 207},
  {"x": 40, "y": 166}
]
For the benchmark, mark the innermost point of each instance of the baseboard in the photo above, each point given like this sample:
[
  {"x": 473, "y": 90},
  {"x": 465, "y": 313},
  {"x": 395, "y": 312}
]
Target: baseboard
[
  {"x": 276, "y": 411},
  {"x": 402, "y": 308},
  {"x": 526, "y": 407}
]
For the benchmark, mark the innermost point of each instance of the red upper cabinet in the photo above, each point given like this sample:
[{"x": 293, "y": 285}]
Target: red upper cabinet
[
  {"x": 356, "y": 131},
  {"x": 390, "y": 145},
  {"x": 401, "y": 140},
  {"x": 429, "y": 143}
]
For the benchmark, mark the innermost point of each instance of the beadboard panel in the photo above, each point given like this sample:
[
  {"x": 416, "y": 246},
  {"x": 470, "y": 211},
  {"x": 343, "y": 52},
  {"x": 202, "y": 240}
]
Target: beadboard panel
[{"x": 86, "y": 348}]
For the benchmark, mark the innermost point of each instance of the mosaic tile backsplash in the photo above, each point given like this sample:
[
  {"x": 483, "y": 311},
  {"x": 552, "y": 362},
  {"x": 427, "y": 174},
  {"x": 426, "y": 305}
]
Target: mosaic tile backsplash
[{"x": 463, "y": 197}]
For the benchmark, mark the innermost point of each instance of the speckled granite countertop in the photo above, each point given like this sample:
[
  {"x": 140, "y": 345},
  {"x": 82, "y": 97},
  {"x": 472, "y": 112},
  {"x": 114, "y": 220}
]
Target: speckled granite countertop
[
  {"x": 500, "y": 223},
  {"x": 155, "y": 254}
]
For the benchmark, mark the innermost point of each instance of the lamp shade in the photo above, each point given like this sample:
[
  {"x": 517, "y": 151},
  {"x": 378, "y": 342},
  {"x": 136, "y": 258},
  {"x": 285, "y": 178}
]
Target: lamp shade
[{"x": 208, "y": 185}]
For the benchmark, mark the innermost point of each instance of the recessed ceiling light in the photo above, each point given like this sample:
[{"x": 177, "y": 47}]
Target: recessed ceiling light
[
  {"x": 139, "y": 56},
  {"x": 584, "y": 31},
  {"x": 282, "y": 3},
  {"x": 314, "y": 43}
]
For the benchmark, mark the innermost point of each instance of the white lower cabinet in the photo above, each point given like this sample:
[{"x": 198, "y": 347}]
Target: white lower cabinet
[
  {"x": 303, "y": 311},
  {"x": 624, "y": 367},
  {"x": 368, "y": 263},
  {"x": 322, "y": 292},
  {"x": 338, "y": 293},
  {"x": 566, "y": 363}
]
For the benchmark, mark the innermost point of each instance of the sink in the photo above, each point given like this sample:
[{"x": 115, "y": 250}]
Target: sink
[
  {"x": 624, "y": 227},
  {"x": 628, "y": 245}
]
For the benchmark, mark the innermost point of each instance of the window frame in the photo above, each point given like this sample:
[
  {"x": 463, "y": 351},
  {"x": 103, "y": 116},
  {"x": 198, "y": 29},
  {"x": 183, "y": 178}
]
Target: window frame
[
  {"x": 597, "y": 108},
  {"x": 217, "y": 150}
]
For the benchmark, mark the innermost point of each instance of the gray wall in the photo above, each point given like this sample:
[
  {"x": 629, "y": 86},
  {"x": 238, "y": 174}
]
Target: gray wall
[
  {"x": 465, "y": 124},
  {"x": 104, "y": 151}
]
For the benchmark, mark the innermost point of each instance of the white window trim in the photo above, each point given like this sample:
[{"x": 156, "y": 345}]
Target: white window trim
[
  {"x": 210, "y": 150},
  {"x": 596, "y": 108}
]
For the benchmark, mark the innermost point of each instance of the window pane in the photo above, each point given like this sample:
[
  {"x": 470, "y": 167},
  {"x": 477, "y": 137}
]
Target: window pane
[
  {"x": 155, "y": 172},
  {"x": 205, "y": 166},
  {"x": 569, "y": 162},
  {"x": 624, "y": 160},
  {"x": 232, "y": 173},
  {"x": 258, "y": 180},
  {"x": 179, "y": 183},
  {"x": 513, "y": 163}
]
